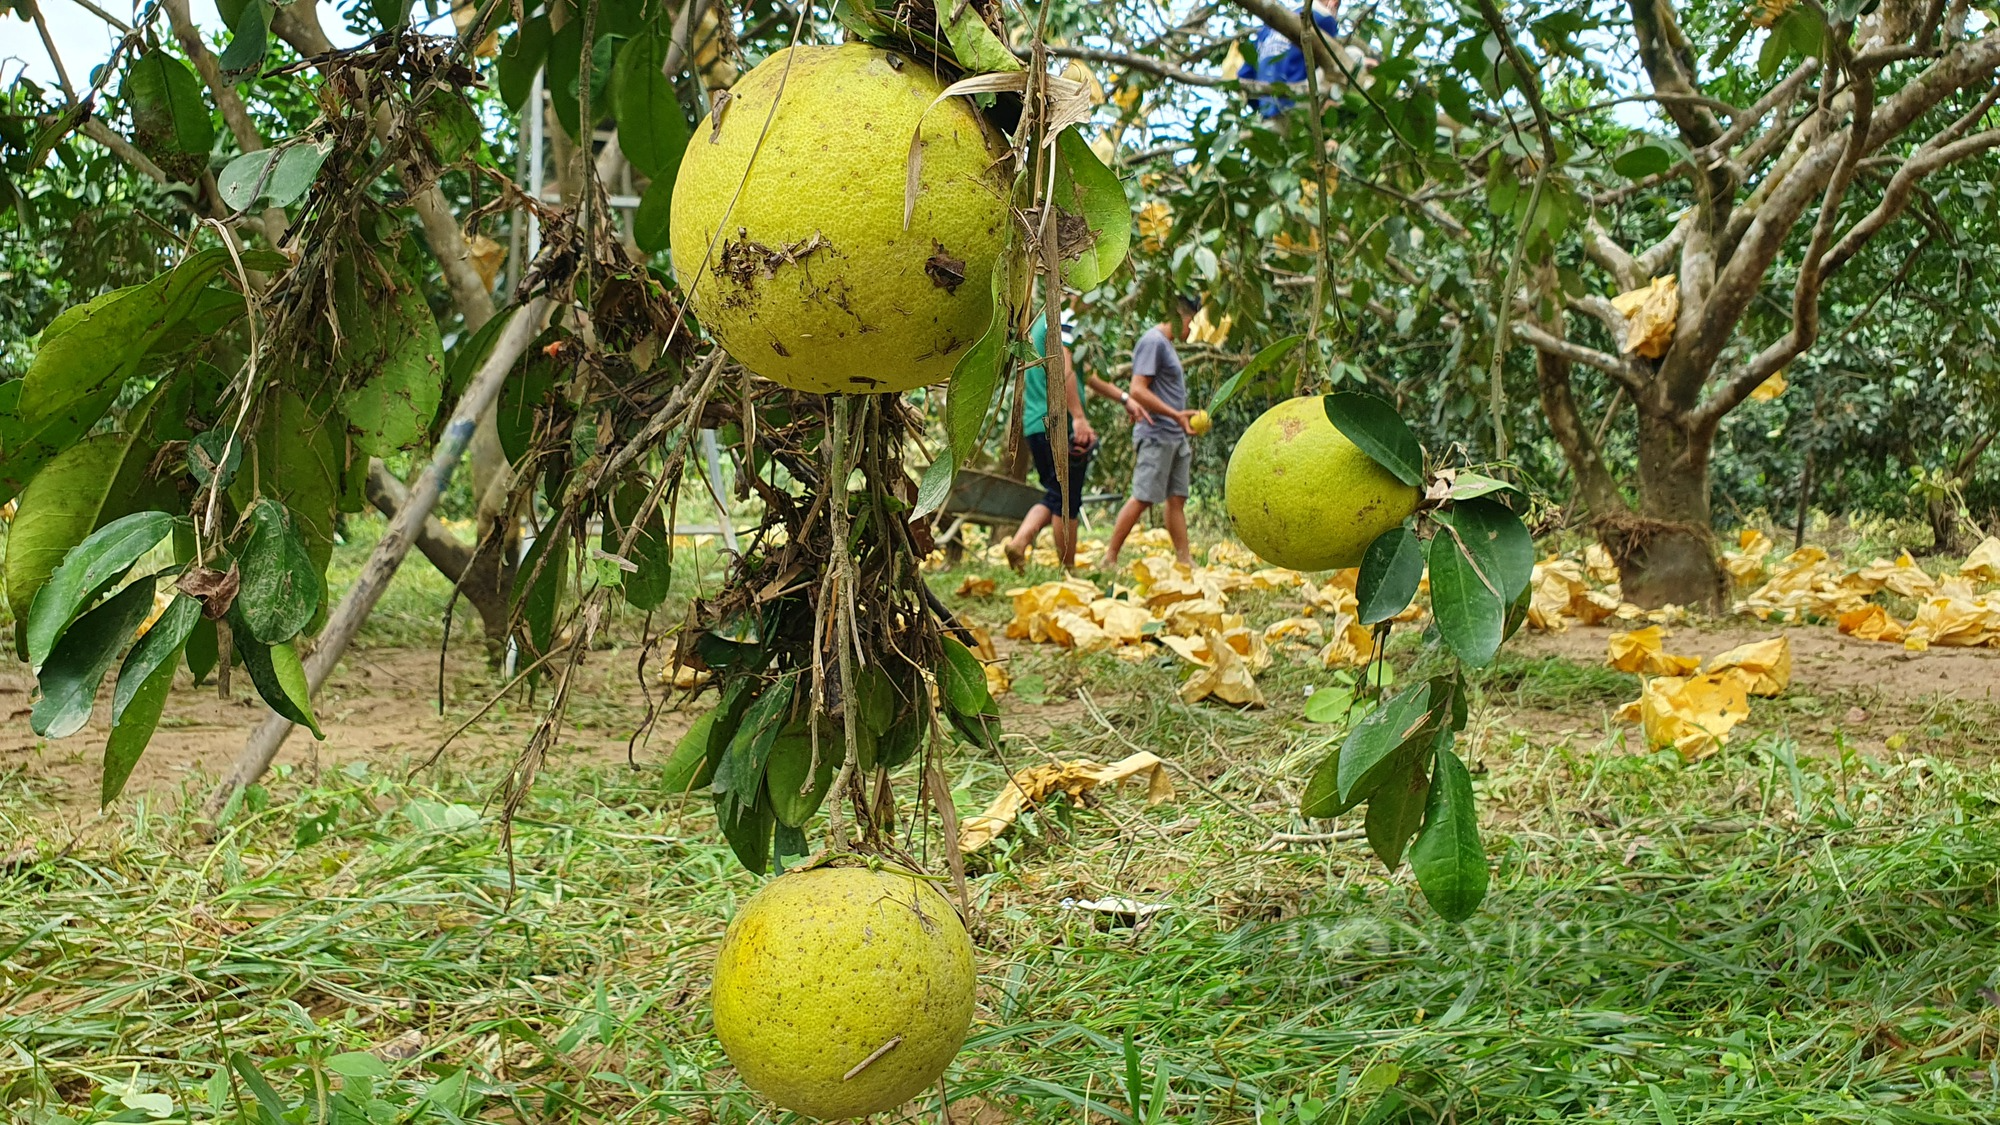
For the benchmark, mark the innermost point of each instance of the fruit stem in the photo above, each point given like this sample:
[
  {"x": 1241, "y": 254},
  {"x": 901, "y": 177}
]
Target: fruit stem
[{"x": 839, "y": 431}]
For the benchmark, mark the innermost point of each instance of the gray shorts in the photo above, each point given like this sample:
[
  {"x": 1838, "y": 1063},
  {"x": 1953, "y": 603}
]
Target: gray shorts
[{"x": 1160, "y": 468}]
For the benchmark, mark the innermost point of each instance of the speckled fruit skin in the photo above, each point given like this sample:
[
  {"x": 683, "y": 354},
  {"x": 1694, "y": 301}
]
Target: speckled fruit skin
[
  {"x": 1302, "y": 496},
  {"x": 821, "y": 968},
  {"x": 814, "y": 283}
]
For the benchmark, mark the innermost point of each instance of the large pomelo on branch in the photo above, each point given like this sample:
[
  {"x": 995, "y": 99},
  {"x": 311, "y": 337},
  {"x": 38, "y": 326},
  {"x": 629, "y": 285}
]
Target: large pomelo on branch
[
  {"x": 843, "y": 991},
  {"x": 1303, "y": 496},
  {"x": 790, "y": 240}
]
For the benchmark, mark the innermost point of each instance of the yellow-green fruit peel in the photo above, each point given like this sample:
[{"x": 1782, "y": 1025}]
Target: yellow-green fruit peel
[
  {"x": 802, "y": 268},
  {"x": 1303, "y": 496},
  {"x": 831, "y": 968}
]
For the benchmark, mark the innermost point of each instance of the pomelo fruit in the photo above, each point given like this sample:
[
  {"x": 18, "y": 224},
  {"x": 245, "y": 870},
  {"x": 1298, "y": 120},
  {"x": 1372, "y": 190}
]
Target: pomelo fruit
[
  {"x": 802, "y": 268},
  {"x": 1303, "y": 496},
  {"x": 843, "y": 991},
  {"x": 1199, "y": 423}
]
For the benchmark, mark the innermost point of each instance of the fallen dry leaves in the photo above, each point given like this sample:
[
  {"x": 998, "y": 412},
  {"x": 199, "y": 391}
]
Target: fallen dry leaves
[{"x": 1035, "y": 784}]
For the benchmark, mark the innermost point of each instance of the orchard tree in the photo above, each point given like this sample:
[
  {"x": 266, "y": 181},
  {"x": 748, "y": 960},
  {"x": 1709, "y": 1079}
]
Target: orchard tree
[{"x": 1486, "y": 186}]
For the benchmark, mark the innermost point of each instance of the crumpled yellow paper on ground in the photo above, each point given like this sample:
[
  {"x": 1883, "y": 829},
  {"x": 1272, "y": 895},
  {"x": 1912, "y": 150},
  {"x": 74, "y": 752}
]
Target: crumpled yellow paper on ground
[
  {"x": 1649, "y": 315},
  {"x": 1352, "y": 644},
  {"x": 1745, "y": 564},
  {"x": 1954, "y": 621},
  {"x": 1983, "y": 564},
  {"x": 1694, "y": 715},
  {"x": 1903, "y": 577},
  {"x": 976, "y": 586},
  {"x": 1073, "y": 779},
  {"x": 1640, "y": 651},
  {"x": 1871, "y": 623},
  {"x": 1766, "y": 665},
  {"x": 1227, "y": 677}
]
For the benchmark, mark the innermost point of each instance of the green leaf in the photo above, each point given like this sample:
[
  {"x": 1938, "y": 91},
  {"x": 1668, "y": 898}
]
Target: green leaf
[
  {"x": 1267, "y": 358},
  {"x": 93, "y": 348},
  {"x": 1467, "y": 485},
  {"x": 470, "y": 355},
  {"x": 1466, "y": 603},
  {"x": 1501, "y": 530},
  {"x": 249, "y": 38},
  {"x": 278, "y": 676},
  {"x": 215, "y": 455},
  {"x": 87, "y": 570},
  {"x": 392, "y": 364},
  {"x": 203, "y": 650},
  {"x": 357, "y": 1064},
  {"x": 299, "y": 460},
  {"x": 1374, "y": 426},
  {"x": 277, "y": 176},
  {"x": 1640, "y": 161},
  {"x": 748, "y": 830},
  {"x": 530, "y": 385},
  {"x": 974, "y": 44},
  {"x": 452, "y": 128},
  {"x": 538, "y": 596},
  {"x": 1377, "y": 744},
  {"x": 390, "y": 14},
  {"x": 967, "y": 399},
  {"x": 520, "y": 58},
  {"x": 652, "y": 128},
  {"x": 652, "y": 221},
  {"x": 1448, "y": 859},
  {"x": 1329, "y": 703},
  {"x": 963, "y": 679},
  {"x": 70, "y": 676},
  {"x": 691, "y": 766},
  {"x": 169, "y": 117},
  {"x": 565, "y": 65},
  {"x": 25, "y": 446},
  {"x": 1391, "y": 571},
  {"x": 1084, "y": 187},
  {"x": 1396, "y": 810},
  {"x": 282, "y": 589},
  {"x": 86, "y": 487},
  {"x": 267, "y": 1098},
  {"x": 793, "y": 800},
  {"x": 141, "y": 695},
  {"x": 652, "y": 551}
]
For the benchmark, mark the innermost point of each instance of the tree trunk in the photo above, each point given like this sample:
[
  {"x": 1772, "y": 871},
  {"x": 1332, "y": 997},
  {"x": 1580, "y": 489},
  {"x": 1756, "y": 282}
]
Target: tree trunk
[{"x": 1666, "y": 553}]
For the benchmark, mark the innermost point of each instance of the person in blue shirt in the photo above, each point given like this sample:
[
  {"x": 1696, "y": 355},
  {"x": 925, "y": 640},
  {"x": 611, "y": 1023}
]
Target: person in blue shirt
[
  {"x": 1082, "y": 446},
  {"x": 1278, "y": 59}
]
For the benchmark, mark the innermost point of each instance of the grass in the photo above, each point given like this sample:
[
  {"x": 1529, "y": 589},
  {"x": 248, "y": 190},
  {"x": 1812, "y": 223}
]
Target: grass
[{"x": 1787, "y": 932}]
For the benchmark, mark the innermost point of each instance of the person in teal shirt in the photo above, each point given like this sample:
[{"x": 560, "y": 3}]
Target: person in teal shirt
[{"x": 1082, "y": 445}]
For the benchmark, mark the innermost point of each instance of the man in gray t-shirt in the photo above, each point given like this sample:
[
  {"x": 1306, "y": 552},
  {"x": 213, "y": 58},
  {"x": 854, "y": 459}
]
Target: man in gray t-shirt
[{"x": 1162, "y": 455}]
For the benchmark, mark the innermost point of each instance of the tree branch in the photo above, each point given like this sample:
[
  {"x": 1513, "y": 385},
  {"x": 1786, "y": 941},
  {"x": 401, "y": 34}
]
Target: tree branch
[
  {"x": 1739, "y": 281},
  {"x": 1157, "y": 67},
  {"x": 1570, "y": 351},
  {"x": 1663, "y": 51},
  {"x": 1655, "y": 257},
  {"x": 1558, "y": 396},
  {"x": 1602, "y": 249}
]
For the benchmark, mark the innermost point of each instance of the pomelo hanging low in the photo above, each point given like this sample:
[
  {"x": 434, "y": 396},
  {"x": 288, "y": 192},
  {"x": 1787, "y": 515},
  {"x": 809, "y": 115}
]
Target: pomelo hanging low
[
  {"x": 798, "y": 262},
  {"x": 843, "y": 991},
  {"x": 1303, "y": 496}
]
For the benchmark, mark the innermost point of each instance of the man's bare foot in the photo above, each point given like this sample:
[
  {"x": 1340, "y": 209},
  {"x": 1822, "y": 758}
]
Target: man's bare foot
[{"x": 1017, "y": 558}]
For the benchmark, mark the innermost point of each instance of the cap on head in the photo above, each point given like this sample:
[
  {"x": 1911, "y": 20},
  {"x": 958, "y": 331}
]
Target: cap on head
[{"x": 1187, "y": 302}]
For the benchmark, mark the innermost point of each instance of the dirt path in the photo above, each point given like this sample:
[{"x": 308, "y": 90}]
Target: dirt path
[{"x": 381, "y": 707}]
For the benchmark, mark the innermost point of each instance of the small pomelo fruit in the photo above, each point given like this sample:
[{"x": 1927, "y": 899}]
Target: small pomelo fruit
[
  {"x": 1303, "y": 496},
  {"x": 827, "y": 969},
  {"x": 812, "y": 280},
  {"x": 1199, "y": 423}
]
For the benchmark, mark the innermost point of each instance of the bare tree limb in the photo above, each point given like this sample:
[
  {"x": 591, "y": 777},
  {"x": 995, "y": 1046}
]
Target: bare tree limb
[
  {"x": 1617, "y": 367},
  {"x": 1740, "y": 279},
  {"x": 124, "y": 150},
  {"x": 1159, "y": 68},
  {"x": 1654, "y": 259},
  {"x": 1602, "y": 249},
  {"x": 1669, "y": 63}
]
